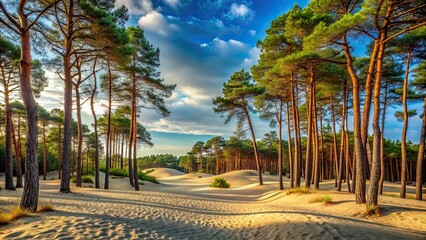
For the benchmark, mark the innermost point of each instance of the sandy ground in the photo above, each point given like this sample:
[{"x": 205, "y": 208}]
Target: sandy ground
[{"x": 185, "y": 207}]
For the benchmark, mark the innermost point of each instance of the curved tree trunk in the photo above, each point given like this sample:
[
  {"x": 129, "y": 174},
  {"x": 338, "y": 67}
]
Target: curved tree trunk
[
  {"x": 297, "y": 168},
  {"x": 256, "y": 153},
  {"x": 420, "y": 157},
  {"x": 95, "y": 125},
  {"x": 333, "y": 119},
  {"x": 358, "y": 146}
]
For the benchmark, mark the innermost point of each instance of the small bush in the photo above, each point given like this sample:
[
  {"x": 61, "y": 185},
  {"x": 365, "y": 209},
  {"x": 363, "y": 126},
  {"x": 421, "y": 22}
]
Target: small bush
[
  {"x": 220, "y": 183},
  {"x": 46, "y": 208},
  {"x": 119, "y": 172},
  {"x": 149, "y": 171},
  {"x": 84, "y": 179},
  {"x": 87, "y": 179},
  {"x": 326, "y": 199},
  {"x": 302, "y": 190}
]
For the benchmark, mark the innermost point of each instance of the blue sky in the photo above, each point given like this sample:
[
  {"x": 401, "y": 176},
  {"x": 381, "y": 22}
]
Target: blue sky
[{"x": 202, "y": 42}]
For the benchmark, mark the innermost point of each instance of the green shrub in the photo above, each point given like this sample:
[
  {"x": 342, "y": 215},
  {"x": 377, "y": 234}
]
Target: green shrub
[
  {"x": 149, "y": 171},
  {"x": 84, "y": 179},
  {"x": 87, "y": 179},
  {"x": 119, "y": 172},
  {"x": 220, "y": 183},
  {"x": 372, "y": 210},
  {"x": 144, "y": 177}
]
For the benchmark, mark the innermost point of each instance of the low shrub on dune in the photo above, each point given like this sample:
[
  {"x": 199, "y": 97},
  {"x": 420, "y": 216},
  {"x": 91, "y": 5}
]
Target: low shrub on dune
[
  {"x": 220, "y": 183},
  {"x": 14, "y": 214},
  {"x": 84, "y": 179},
  {"x": 46, "y": 208}
]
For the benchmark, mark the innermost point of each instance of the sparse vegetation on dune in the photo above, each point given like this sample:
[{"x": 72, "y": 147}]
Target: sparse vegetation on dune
[
  {"x": 220, "y": 183},
  {"x": 326, "y": 199},
  {"x": 14, "y": 214},
  {"x": 301, "y": 190}
]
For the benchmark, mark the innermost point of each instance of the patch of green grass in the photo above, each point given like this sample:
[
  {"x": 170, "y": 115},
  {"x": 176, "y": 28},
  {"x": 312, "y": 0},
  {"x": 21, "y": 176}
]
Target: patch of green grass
[
  {"x": 144, "y": 177},
  {"x": 46, "y": 208},
  {"x": 84, "y": 179},
  {"x": 301, "y": 190},
  {"x": 119, "y": 172},
  {"x": 326, "y": 199},
  {"x": 220, "y": 183}
]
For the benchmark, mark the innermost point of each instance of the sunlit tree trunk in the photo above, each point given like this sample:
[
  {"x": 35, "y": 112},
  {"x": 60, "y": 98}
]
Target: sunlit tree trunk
[
  {"x": 382, "y": 154},
  {"x": 404, "y": 129},
  {"x": 290, "y": 149},
  {"x": 95, "y": 125},
  {"x": 420, "y": 157},
  {"x": 256, "y": 153},
  {"x": 358, "y": 146}
]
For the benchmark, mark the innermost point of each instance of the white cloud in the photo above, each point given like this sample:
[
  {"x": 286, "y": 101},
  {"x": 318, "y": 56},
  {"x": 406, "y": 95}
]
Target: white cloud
[
  {"x": 156, "y": 22},
  {"x": 240, "y": 11},
  {"x": 172, "y": 3},
  {"x": 252, "y": 33}
]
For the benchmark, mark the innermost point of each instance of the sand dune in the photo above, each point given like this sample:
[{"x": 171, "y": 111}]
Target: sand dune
[
  {"x": 165, "y": 172},
  {"x": 184, "y": 207}
]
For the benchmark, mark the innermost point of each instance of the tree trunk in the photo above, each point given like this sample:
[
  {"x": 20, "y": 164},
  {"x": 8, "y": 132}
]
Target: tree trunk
[
  {"x": 135, "y": 162},
  {"x": 342, "y": 139},
  {"x": 29, "y": 200},
  {"x": 44, "y": 151},
  {"x": 290, "y": 150},
  {"x": 309, "y": 141},
  {"x": 79, "y": 132},
  {"x": 108, "y": 139},
  {"x": 420, "y": 157},
  {"x": 95, "y": 125},
  {"x": 334, "y": 140},
  {"x": 59, "y": 151},
  {"x": 280, "y": 146},
  {"x": 8, "y": 164},
  {"x": 404, "y": 129},
  {"x": 17, "y": 147},
  {"x": 358, "y": 146},
  {"x": 382, "y": 157},
  {"x": 256, "y": 153},
  {"x": 297, "y": 168},
  {"x": 66, "y": 149}
]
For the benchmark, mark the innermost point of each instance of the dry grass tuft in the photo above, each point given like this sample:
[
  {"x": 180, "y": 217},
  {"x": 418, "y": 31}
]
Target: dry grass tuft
[
  {"x": 46, "y": 208},
  {"x": 372, "y": 211},
  {"x": 326, "y": 199},
  {"x": 14, "y": 214},
  {"x": 302, "y": 190}
]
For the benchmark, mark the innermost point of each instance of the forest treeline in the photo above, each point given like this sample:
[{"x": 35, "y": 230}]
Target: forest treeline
[
  {"x": 307, "y": 80},
  {"x": 308, "y": 73},
  {"x": 87, "y": 45}
]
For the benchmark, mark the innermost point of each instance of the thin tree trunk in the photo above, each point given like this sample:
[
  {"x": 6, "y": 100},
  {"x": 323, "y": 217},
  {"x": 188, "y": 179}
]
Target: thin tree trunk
[
  {"x": 44, "y": 151},
  {"x": 382, "y": 157},
  {"x": 135, "y": 162},
  {"x": 17, "y": 148},
  {"x": 8, "y": 166},
  {"x": 333, "y": 119},
  {"x": 108, "y": 139},
  {"x": 297, "y": 150},
  {"x": 309, "y": 141},
  {"x": 95, "y": 125},
  {"x": 79, "y": 133},
  {"x": 256, "y": 153},
  {"x": 342, "y": 139},
  {"x": 290, "y": 150},
  {"x": 420, "y": 156},
  {"x": 404, "y": 130},
  {"x": 280, "y": 146}
]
